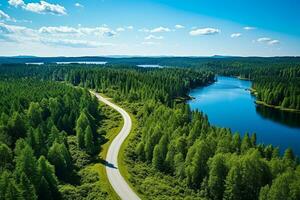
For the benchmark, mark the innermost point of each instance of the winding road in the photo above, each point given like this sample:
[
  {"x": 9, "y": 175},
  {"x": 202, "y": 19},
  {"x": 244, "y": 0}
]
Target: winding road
[{"x": 114, "y": 176}]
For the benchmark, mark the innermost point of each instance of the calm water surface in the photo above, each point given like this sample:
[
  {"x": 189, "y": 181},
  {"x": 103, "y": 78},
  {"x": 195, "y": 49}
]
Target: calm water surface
[
  {"x": 229, "y": 104},
  {"x": 150, "y": 66}
]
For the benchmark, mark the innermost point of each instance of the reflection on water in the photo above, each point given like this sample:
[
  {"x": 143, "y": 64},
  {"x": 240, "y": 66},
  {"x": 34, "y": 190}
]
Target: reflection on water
[
  {"x": 290, "y": 119},
  {"x": 228, "y": 103}
]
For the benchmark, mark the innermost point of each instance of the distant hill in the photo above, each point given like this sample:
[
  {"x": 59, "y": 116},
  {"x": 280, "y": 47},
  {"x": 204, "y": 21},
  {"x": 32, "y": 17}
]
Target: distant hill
[{"x": 163, "y": 61}]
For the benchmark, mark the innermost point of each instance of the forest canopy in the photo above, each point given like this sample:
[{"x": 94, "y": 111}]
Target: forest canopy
[{"x": 49, "y": 130}]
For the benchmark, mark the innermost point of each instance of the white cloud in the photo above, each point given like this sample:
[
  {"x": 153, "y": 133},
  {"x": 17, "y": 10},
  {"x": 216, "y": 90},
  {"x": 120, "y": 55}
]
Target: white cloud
[
  {"x": 54, "y": 36},
  {"x": 5, "y": 17},
  {"x": 149, "y": 37},
  {"x": 272, "y": 42},
  {"x": 12, "y": 29},
  {"x": 204, "y": 31},
  {"x": 160, "y": 29},
  {"x": 178, "y": 26},
  {"x": 248, "y": 28},
  {"x": 235, "y": 35},
  {"x": 78, "y": 5},
  {"x": 120, "y": 29},
  {"x": 16, "y": 3},
  {"x": 264, "y": 39},
  {"x": 74, "y": 43},
  {"x": 98, "y": 31},
  {"x": 42, "y": 7},
  {"x": 19, "y": 34},
  {"x": 268, "y": 41}
]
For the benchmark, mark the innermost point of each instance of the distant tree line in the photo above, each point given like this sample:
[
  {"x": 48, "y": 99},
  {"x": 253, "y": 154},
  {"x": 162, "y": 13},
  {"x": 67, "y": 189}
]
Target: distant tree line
[{"x": 276, "y": 83}]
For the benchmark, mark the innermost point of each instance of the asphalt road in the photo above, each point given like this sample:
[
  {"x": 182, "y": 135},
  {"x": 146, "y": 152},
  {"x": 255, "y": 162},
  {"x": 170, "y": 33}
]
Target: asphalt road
[{"x": 114, "y": 176}]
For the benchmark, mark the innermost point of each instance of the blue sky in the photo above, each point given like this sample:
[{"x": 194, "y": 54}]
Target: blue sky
[{"x": 150, "y": 27}]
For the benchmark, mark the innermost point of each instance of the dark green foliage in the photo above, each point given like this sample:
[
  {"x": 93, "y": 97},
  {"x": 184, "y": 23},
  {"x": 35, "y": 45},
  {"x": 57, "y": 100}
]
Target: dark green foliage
[
  {"x": 59, "y": 156},
  {"x": 246, "y": 143},
  {"x": 8, "y": 187},
  {"x": 26, "y": 163},
  {"x": 285, "y": 186},
  {"x": 206, "y": 159},
  {"x": 27, "y": 188},
  {"x": 89, "y": 140},
  {"x": 37, "y": 117},
  {"x": 47, "y": 180},
  {"x": 34, "y": 114},
  {"x": 140, "y": 84},
  {"x": 81, "y": 125},
  {"x": 44, "y": 190},
  {"x": 233, "y": 184},
  {"x": 217, "y": 174},
  {"x": 281, "y": 91},
  {"x": 5, "y": 157}
]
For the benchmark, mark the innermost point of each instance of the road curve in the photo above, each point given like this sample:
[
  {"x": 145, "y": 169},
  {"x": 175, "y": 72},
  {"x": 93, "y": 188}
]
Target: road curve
[{"x": 114, "y": 176}]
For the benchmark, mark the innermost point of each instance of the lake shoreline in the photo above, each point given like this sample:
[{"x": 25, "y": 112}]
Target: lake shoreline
[
  {"x": 258, "y": 102},
  {"x": 231, "y": 103},
  {"x": 189, "y": 97}
]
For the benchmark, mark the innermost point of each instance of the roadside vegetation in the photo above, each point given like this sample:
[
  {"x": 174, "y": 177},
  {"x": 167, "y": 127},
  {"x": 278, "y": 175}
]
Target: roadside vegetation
[{"x": 50, "y": 137}]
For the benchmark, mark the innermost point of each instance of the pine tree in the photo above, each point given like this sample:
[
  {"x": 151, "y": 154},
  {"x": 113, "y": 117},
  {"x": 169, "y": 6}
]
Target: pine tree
[
  {"x": 217, "y": 175},
  {"x": 246, "y": 143},
  {"x": 157, "y": 160},
  {"x": 48, "y": 181},
  {"x": 5, "y": 156},
  {"x": 233, "y": 184},
  {"x": 44, "y": 192},
  {"x": 12, "y": 192},
  {"x": 27, "y": 188},
  {"x": 289, "y": 155},
  {"x": 26, "y": 163},
  {"x": 139, "y": 151},
  {"x": 4, "y": 181},
  {"x": 34, "y": 114},
  {"x": 196, "y": 160},
  {"x": 57, "y": 158},
  {"x": 253, "y": 139},
  {"x": 236, "y": 142},
  {"x": 179, "y": 165},
  {"x": 16, "y": 127},
  {"x": 81, "y": 125},
  {"x": 89, "y": 140}
]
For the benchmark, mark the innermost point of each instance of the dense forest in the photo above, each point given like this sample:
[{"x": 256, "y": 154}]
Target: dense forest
[
  {"x": 176, "y": 153},
  {"x": 49, "y": 131}
]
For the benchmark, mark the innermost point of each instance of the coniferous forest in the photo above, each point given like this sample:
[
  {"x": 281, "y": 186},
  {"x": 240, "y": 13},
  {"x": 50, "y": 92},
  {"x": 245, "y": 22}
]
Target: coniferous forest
[{"x": 52, "y": 129}]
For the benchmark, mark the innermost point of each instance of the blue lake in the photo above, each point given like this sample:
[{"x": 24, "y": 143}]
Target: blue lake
[
  {"x": 229, "y": 104},
  {"x": 150, "y": 66}
]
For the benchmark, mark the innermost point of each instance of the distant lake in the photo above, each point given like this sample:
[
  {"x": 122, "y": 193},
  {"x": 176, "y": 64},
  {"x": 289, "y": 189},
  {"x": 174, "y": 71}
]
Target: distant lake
[
  {"x": 84, "y": 62},
  {"x": 151, "y": 66},
  {"x": 229, "y": 104},
  {"x": 37, "y": 63}
]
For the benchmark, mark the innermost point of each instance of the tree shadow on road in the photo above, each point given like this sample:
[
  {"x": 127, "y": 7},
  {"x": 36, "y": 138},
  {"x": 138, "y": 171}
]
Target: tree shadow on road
[{"x": 107, "y": 164}]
